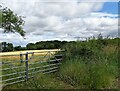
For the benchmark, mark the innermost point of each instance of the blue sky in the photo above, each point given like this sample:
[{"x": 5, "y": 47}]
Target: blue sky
[{"x": 110, "y": 7}]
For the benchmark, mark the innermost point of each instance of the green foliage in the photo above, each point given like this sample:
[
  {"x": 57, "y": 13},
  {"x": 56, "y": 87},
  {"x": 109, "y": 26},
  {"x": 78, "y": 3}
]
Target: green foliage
[
  {"x": 19, "y": 48},
  {"x": 31, "y": 46},
  {"x": 37, "y": 46},
  {"x": 91, "y": 64},
  {"x": 45, "y": 45},
  {"x": 6, "y": 47},
  {"x": 11, "y": 22},
  {"x": 78, "y": 49},
  {"x": 40, "y": 82}
]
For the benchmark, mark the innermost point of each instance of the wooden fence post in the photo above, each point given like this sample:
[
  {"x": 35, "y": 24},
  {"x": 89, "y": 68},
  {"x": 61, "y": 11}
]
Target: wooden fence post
[
  {"x": 21, "y": 58},
  {"x": 49, "y": 55},
  {"x": 26, "y": 66}
]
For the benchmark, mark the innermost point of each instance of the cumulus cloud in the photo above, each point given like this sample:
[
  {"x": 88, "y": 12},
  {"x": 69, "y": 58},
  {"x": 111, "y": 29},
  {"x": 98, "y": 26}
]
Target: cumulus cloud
[{"x": 53, "y": 20}]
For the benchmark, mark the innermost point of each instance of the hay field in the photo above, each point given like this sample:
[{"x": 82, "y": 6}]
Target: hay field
[
  {"x": 20, "y": 52},
  {"x": 13, "y": 56}
]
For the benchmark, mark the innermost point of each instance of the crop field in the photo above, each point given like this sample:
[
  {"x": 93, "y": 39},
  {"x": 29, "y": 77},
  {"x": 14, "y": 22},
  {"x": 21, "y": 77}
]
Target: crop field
[
  {"x": 6, "y": 56},
  {"x": 21, "y": 52}
]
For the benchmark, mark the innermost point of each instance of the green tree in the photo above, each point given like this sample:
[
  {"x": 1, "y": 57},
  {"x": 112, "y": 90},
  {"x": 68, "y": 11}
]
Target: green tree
[
  {"x": 17, "y": 48},
  {"x": 6, "y": 47},
  {"x": 11, "y": 22},
  {"x": 10, "y": 47},
  {"x": 31, "y": 46}
]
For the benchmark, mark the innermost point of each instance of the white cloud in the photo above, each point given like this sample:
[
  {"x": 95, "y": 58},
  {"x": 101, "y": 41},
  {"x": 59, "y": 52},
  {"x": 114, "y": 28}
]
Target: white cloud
[{"x": 60, "y": 20}]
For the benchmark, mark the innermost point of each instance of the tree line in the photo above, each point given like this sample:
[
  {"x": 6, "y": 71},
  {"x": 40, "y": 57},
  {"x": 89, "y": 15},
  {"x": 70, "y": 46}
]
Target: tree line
[{"x": 7, "y": 47}]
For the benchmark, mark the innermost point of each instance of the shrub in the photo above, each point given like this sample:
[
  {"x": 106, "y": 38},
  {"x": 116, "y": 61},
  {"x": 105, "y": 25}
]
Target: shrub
[{"x": 87, "y": 65}]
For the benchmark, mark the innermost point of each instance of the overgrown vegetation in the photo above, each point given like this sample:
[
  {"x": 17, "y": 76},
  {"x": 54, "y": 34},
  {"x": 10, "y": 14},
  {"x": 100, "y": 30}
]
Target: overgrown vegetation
[
  {"x": 91, "y": 65},
  {"x": 41, "y": 81}
]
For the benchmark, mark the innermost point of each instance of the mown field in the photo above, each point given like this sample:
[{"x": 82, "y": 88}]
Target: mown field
[{"x": 92, "y": 64}]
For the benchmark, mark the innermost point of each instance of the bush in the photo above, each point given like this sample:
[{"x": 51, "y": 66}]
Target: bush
[{"x": 87, "y": 65}]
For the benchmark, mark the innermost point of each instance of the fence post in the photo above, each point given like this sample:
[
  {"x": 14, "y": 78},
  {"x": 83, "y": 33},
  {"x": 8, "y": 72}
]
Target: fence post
[
  {"x": 26, "y": 65},
  {"x": 49, "y": 55},
  {"x": 21, "y": 58},
  {"x": 32, "y": 53}
]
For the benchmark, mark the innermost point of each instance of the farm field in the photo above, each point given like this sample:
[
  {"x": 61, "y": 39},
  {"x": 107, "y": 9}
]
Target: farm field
[
  {"x": 20, "y": 52},
  {"x": 12, "y": 56}
]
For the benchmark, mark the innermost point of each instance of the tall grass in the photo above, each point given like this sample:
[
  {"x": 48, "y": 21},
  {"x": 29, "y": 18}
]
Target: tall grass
[
  {"x": 91, "y": 65},
  {"x": 40, "y": 81}
]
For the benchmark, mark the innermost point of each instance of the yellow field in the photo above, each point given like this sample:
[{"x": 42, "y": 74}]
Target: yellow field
[
  {"x": 19, "y": 52},
  {"x": 4, "y": 56}
]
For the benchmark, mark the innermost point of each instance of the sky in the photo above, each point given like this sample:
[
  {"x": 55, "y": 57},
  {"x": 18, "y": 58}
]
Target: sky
[
  {"x": 62, "y": 20},
  {"x": 110, "y": 7}
]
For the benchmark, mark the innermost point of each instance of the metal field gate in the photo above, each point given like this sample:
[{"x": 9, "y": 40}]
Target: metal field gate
[{"x": 19, "y": 68}]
